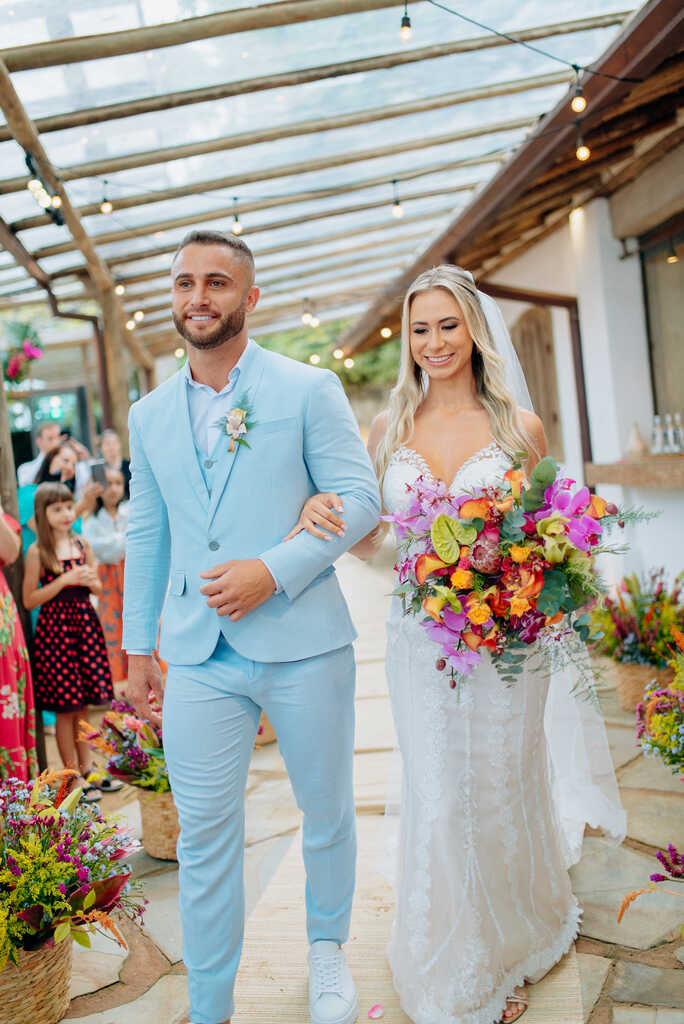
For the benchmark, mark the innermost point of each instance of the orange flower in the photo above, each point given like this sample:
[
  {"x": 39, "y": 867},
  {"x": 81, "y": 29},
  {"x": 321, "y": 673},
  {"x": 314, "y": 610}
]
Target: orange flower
[
  {"x": 490, "y": 640},
  {"x": 679, "y": 637},
  {"x": 461, "y": 579},
  {"x": 518, "y": 552},
  {"x": 478, "y": 612},
  {"x": 475, "y": 508},
  {"x": 432, "y": 606},
  {"x": 516, "y": 477},
  {"x": 426, "y": 564},
  {"x": 597, "y": 507},
  {"x": 531, "y": 583},
  {"x": 519, "y": 605},
  {"x": 504, "y": 506},
  {"x": 472, "y": 640},
  {"x": 630, "y": 897},
  {"x": 553, "y": 620},
  {"x": 497, "y": 602}
]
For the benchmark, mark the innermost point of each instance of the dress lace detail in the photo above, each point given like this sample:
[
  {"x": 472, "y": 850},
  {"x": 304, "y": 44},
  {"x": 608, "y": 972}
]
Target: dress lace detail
[{"x": 483, "y": 895}]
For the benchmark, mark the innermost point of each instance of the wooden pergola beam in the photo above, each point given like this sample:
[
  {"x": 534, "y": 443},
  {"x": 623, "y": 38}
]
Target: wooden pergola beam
[
  {"x": 78, "y": 49},
  {"x": 168, "y": 154},
  {"x": 213, "y": 216},
  {"x": 304, "y": 243},
  {"x": 271, "y": 202},
  {"x": 169, "y": 101}
]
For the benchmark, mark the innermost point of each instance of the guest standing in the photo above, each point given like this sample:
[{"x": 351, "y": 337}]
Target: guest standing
[
  {"x": 17, "y": 714},
  {"x": 110, "y": 446},
  {"x": 105, "y": 531},
  {"x": 71, "y": 665}
]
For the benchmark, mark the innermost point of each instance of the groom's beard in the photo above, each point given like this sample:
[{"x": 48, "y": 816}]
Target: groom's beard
[{"x": 228, "y": 327}]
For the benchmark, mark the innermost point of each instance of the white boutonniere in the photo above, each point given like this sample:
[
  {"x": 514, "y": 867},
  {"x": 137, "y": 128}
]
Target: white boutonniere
[{"x": 236, "y": 424}]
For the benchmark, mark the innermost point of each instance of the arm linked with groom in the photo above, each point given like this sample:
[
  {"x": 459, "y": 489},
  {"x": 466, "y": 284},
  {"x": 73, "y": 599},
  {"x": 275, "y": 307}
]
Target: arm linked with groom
[{"x": 223, "y": 456}]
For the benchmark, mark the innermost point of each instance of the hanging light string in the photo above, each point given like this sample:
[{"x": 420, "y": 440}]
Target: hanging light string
[{"x": 529, "y": 46}]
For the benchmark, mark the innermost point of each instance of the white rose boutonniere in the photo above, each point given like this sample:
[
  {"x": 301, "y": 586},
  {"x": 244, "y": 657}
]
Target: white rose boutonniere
[{"x": 236, "y": 424}]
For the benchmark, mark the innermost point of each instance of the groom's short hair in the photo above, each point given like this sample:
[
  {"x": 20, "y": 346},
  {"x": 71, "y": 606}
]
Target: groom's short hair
[{"x": 207, "y": 237}]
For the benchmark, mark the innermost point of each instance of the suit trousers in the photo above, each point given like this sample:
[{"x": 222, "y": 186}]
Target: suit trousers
[{"x": 210, "y": 720}]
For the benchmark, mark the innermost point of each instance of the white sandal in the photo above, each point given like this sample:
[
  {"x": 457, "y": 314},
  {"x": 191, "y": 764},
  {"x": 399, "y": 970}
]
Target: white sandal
[{"x": 516, "y": 999}]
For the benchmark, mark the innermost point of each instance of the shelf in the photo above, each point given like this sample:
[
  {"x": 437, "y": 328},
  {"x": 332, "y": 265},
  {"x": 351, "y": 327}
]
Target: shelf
[{"x": 658, "y": 472}]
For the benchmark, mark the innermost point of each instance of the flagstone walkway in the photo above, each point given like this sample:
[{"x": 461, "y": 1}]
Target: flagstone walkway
[{"x": 632, "y": 973}]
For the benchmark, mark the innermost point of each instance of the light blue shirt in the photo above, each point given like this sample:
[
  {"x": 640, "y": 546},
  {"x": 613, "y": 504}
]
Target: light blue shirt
[{"x": 206, "y": 406}]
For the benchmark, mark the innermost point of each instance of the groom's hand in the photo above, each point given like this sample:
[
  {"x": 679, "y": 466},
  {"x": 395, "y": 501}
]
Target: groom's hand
[
  {"x": 237, "y": 587},
  {"x": 144, "y": 687}
]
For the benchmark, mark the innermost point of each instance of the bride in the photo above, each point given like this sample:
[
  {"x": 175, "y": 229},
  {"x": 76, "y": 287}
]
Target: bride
[{"x": 496, "y": 783}]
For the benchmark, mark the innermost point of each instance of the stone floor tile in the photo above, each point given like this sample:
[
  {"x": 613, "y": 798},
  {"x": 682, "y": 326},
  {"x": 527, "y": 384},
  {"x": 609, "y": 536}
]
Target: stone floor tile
[
  {"x": 162, "y": 917},
  {"x": 680, "y": 954},
  {"x": 92, "y": 970},
  {"x": 261, "y": 862},
  {"x": 268, "y": 759},
  {"x": 654, "y": 818},
  {"x": 665, "y": 1015},
  {"x": 371, "y": 681},
  {"x": 371, "y": 774},
  {"x": 653, "y": 986},
  {"x": 612, "y": 712},
  {"x": 142, "y": 864},
  {"x": 130, "y": 817},
  {"x": 634, "y": 1015},
  {"x": 271, "y": 811},
  {"x": 623, "y": 744},
  {"x": 374, "y": 725},
  {"x": 165, "y": 1003},
  {"x": 592, "y": 972},
  {"x": 604, "y": 875},
  {"x": 650, "y": 773}
]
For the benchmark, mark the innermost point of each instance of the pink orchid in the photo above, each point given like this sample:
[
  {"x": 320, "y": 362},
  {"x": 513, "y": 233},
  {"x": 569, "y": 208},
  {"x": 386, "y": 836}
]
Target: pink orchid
[
  {"x": 14, "y": 365},
  {"x": 31, "y": 351}
]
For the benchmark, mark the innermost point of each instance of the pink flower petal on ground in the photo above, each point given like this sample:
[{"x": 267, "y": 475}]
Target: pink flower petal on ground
[{"x": 376, "y": 1012}]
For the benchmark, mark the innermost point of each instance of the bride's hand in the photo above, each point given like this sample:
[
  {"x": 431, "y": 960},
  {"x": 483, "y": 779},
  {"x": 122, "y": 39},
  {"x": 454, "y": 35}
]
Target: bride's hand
[{"x": 320, "y": 511}]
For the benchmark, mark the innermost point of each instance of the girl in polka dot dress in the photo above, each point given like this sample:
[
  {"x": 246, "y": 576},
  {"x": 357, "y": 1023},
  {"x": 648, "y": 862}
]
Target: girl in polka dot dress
[{"x": 71, "y": 664}]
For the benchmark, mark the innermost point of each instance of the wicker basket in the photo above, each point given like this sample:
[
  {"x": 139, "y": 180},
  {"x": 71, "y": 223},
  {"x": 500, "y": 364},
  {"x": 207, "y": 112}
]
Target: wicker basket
[
  {"x": 159, "y": 825},
  {"x": 632, "y": 680},
  {"x": 36, "y": 991}
]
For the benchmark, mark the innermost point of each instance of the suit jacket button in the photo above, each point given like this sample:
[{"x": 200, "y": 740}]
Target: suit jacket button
[
  {"x": 208, "y": 463},
  {"x": 213, "y": 545}
]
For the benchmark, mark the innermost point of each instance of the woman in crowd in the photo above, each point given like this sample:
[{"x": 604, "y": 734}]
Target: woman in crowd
[
  {"x": 17, "y": 715},
  {"x": 110, "y": 446},
  {"x": 105, "y": 531}
]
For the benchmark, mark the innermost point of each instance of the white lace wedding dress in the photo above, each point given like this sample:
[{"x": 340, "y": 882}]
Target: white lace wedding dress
[{"x": 483, "y": 898}]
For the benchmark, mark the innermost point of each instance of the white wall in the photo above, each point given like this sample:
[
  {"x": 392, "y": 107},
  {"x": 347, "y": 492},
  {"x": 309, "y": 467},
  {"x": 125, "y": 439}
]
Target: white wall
[{"x": 582, "y": 259}]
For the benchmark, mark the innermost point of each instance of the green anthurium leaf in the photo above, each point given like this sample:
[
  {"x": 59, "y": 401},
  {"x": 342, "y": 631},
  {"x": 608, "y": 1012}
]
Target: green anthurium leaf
[
  {"x": 81, "y": 937},
  {"x": 444, "y": 538}
]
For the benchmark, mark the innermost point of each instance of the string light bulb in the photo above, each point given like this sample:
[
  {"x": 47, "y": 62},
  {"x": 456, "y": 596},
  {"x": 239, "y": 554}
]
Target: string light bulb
[
  {"x": 314, "y": 321},
  {"x": 397, "y": 208},
  {"x": 237, "y": 226},
  {"x": 672, "y": 256},
  {"x": 578, "y": 103},
  {"x": 56, "y": 202},
  {"x": 405, "y": 32},
  {"x": 43, "y": 199},
  {"x": 138, "y": 316},
  {"x": 386, "y": 332},
  {"x": 582, "y": 152},
  {"x": 338, "y": 353},
  {"x": 106, "y": 206},
  {"x": 120, "y": 289},
  {"x": 130, "y": 325},
  {"x": 34, "y": 185},
  {"x": 179, "y": 353},
  {"x": 349, "y": 362},
  {"x": 314, "y": 358}
]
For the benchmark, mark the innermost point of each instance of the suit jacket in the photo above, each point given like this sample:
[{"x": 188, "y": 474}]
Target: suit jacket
[{"x": 304, "y": 439}]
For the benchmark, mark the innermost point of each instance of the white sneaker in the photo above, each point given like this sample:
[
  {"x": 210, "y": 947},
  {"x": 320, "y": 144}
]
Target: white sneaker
[{"x": 332, "y": 993}]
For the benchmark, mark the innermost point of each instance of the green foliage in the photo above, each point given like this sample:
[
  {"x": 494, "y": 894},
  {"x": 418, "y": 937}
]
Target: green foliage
[{"x": 378, "y": 366}]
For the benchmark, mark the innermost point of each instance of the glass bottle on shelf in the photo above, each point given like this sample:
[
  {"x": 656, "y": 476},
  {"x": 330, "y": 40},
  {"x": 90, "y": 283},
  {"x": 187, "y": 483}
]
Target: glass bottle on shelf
[
  {"x": 668, "y": 447},
  {"x": 677, "y": 433},
  {"x": 656, "y": 436}
]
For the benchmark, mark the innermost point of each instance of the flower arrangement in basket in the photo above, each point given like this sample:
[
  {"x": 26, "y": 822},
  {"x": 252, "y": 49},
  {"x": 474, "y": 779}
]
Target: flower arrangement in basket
[
  {"x": 61, "y": 876},
  {"x": 660, "y": 715},
  {"x": 637, "y": 628},
  {"x": 24, "y": 347},
  {"x": 134, "y": 753},
  {"x": 499, "y": 568}
]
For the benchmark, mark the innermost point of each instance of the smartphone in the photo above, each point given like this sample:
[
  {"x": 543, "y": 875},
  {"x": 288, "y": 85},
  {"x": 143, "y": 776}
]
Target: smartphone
[{"x": 97, "y": 471}]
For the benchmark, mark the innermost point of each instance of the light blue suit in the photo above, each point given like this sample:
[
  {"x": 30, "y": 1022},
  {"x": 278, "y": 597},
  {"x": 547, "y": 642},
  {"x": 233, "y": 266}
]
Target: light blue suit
[{"x": 292, "y": 656}]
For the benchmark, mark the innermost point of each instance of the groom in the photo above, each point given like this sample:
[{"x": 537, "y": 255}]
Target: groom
[{"x": 224, "y": 455}]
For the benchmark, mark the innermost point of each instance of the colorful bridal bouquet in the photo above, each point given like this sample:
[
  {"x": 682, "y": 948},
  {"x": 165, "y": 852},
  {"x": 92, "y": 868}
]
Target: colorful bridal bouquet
[
  {"x": 133, "y": 748},
  {"x": 24, "y": 347},
  {"x": 61, "y": 866},
  {"x": 497, "y": 569},
  {"x": 660, "y": 716},
  {"x": 638, "y": 625}
]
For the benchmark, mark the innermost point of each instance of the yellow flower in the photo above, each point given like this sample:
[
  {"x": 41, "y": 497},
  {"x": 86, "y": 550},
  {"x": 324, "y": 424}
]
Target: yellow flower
[
  {"x": 519, "y": 605},
  {"x": 478, "y": 613},
  {"x": 519, "y": 552},
  {"x": 461, "y": 579}
]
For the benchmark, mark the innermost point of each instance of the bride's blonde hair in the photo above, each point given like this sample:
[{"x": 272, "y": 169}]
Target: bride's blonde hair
[{"x": 488, "y": 370}]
